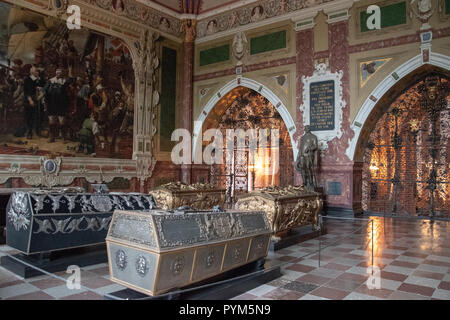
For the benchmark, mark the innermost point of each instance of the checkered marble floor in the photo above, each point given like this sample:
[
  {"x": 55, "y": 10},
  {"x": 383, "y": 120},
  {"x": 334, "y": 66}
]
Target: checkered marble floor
[
  {"x": 94, "y": 284},
  {"x": 411, "y": 257}
]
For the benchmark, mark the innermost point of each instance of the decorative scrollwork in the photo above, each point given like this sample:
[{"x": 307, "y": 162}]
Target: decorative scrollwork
[{"x": 19, "y": 213}]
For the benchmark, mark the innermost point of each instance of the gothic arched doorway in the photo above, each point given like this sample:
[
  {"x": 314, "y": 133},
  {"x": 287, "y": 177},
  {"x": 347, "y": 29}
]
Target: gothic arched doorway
[
  {"x": 406, "y": 161},
  {"x": 244, "y": 108}
]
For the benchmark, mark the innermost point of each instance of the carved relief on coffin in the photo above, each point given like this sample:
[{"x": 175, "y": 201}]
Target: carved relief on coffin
[
  {"x": 218, "y": 226},
  {"x": 210, "y": 258},
  {"x": 176, "y": 194},
  {"x": 121, "y": 260},
  {"x": 19, "y": 213},
  {"x": 177, "y": 265},
  {"x": 142, "y": 266}
]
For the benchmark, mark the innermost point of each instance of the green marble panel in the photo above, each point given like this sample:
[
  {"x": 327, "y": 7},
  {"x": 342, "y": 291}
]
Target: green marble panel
[
  {"x": 168, "y": 98},
  {"x": 215, "y": 55},
  {"x": 268, "y": 42}
]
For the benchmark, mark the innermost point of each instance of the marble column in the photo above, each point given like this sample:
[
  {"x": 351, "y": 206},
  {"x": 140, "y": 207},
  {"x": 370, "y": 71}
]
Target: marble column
[
  {"x": 188, "y": 77},
  {"x": 349, "y": 174}
]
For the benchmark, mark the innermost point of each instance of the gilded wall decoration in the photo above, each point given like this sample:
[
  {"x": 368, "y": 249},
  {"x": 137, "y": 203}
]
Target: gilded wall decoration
[{"x": 143, "y": 14}]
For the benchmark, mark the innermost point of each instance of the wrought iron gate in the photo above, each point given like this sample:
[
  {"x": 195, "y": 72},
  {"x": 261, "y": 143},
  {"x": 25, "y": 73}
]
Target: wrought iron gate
[
  {"x": 406, "y": 163},
  {"x": 232, "y": 175}
]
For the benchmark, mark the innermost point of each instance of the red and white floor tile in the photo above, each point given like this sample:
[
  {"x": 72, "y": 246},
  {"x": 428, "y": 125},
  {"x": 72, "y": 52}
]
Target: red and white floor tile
[{"x": 413, "y": 257}]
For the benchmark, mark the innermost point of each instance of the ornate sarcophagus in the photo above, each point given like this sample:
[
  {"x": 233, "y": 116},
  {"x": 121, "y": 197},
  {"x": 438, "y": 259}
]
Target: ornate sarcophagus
[
  {"x": 200, "y": 196},
  {"x": 48, "y": 220},
  {"x": 287, "y": 208},
  {"x": 156, "y": 251}
]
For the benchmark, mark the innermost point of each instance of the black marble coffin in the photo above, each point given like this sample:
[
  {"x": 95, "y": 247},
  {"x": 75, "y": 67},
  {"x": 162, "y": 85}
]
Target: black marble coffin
[{"x": 41, "y": 221}]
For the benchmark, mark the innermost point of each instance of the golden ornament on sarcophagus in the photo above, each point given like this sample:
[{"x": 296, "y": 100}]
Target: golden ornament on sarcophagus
[
  {"x": 200, "y": 196},
  {"x": 287, "y": 208}
]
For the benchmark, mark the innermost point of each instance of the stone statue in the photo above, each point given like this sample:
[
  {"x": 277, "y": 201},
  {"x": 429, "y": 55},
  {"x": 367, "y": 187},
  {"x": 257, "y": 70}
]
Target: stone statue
[
  {"x": 239, "y": 45},
  {"x": 423, "y": 11},
  {"x": 188, "y": 26},
  {"x": 307, "y": 159}
]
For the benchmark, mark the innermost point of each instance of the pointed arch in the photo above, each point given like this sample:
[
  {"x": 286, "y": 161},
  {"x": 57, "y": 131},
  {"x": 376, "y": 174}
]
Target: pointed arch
[
  {"x": 258, "y": 87},
  {"x": 399, "y": 75}
]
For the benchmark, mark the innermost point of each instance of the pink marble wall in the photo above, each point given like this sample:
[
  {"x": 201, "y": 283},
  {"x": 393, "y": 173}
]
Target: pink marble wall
[
  {"x": 187, "y": 106},
  {"x": 305, "y": 67},
  {"x": 335, "y": 166}
]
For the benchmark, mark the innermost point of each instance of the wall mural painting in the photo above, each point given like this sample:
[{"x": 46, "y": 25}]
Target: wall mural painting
[{"x": 63, "y": 92}]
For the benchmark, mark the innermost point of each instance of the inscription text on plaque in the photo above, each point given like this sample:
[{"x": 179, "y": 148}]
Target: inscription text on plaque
[{"x": 321, "y": 95}]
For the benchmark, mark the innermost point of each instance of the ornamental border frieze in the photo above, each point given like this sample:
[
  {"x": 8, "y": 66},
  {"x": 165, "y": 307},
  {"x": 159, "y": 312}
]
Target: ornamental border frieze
[
  {"x": 254, "y": 13},
  {"x": 140, "y": 14},
  {"x": 19, "y": 167}
]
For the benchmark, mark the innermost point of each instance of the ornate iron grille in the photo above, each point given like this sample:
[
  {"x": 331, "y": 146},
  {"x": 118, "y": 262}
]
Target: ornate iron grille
[
  {"x": 407, "y": 159},
  {"x": 248, "y": 110}
]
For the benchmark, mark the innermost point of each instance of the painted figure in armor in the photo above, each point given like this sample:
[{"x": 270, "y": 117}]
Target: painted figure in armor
[
  {"x": 32, "y": 109},
  {"x": 57, "y": 98}
]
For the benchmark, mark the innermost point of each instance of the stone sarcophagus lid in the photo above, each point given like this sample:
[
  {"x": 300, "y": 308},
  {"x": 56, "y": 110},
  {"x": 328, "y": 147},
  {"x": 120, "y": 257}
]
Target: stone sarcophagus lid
[
  {"x": 286, "y": 207},
  {"x": 156, "y": 251},
  {"x": 49, "y": 220},
  {"x": 200, "y": 196}
]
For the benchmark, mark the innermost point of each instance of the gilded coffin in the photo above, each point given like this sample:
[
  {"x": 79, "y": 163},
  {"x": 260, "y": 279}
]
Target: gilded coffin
[
  {"x": 200, "y": 196},
  {"x": 286, "y": 207},
  {"x": 155, "y": 251},
  {"x": 40, "y": 221}
]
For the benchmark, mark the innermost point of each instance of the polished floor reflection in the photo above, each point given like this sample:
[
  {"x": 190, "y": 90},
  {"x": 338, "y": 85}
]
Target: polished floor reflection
[{"x": 411, "y": 258}]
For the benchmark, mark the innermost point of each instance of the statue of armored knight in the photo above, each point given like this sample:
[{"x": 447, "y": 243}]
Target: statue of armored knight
[{"x": 307, "y": 159}]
